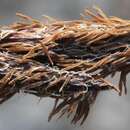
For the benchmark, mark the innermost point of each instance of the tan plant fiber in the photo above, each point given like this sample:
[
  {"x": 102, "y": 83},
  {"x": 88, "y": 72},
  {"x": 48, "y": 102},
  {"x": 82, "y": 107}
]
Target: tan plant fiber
[{"x": 65, "y": 60}]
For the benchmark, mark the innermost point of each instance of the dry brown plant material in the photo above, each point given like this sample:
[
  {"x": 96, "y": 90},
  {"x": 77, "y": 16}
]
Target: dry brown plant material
[{"x": 67, "y": 60}]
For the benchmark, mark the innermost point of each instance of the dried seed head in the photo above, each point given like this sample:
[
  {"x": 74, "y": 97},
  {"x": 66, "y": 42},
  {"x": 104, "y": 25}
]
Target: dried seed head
[{"x": 66, "y": 60}]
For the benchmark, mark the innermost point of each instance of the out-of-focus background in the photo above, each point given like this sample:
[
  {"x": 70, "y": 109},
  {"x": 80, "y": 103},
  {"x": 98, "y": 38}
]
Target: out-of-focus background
[{"x": 25, "y": 112}]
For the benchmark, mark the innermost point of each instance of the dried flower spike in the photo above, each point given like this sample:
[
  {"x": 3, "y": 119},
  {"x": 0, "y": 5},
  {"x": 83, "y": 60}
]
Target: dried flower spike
[{"x": 67, "y": 60}]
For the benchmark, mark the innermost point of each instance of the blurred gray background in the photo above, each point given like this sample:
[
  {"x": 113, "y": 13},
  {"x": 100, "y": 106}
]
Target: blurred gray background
[{"x": 25, "y": 112}]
